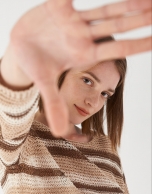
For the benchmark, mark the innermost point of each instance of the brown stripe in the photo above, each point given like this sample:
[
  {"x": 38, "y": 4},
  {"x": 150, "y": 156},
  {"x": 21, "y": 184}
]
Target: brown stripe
[
  {"x": 23, "y": 168},
  {"x": 112, "y": 190},
  {"x": 54, "y": 150},
  {"x": 42, "y": 134},
  {"x": 101, "y": 153},
  {"x": 64, "y": 151},
  {"x": 60, "y": 151},
  {"x": 109, "y": 168},
  {"x": 21, "y": 137},
  {"x": 9, "y": 147},
  {"x": 30, "y": 170}
]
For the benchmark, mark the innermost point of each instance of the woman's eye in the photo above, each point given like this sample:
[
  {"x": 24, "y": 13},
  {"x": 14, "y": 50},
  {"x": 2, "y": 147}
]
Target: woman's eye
[
  {"x": 87, "y": 81},
  {"x": 105, "y": 95}
]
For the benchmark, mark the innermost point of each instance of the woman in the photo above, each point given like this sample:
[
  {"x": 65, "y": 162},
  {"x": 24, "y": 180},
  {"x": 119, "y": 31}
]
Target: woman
[
  {"x": 77, "y": 96},
  {"x": 33, "y": 161}
]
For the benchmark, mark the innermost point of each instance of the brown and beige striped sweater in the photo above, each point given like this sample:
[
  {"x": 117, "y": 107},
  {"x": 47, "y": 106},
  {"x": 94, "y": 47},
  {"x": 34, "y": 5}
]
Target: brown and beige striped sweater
[{"x": 33, "y": 161}]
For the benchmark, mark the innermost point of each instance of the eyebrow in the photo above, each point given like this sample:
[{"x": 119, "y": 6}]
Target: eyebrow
[
  {"x": 93, "y": 75},
  {"x": 98, "y": 80}
]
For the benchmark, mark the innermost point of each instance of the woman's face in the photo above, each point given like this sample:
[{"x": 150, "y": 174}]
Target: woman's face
[{"x": 88, "y": 90}]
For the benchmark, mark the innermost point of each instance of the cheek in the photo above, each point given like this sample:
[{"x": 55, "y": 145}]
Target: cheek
[{"x": 70, "y": 91}]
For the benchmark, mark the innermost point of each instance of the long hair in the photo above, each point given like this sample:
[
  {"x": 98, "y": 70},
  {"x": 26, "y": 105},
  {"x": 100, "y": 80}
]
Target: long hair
[{"x": 113, "y": 110}]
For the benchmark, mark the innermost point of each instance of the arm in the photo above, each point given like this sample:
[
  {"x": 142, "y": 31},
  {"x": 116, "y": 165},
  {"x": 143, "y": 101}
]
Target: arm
[
  {"x": 11, "y": 76},
  {"x": 18, "y": 96},
  {"x": 18, "y": 104}
]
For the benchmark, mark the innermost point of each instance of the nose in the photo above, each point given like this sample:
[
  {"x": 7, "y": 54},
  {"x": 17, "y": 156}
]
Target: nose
[{"x": 93, "y": 100}]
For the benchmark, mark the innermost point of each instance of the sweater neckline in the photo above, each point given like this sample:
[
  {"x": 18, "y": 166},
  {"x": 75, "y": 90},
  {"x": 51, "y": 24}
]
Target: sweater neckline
[{"x": 71, "y": 141}]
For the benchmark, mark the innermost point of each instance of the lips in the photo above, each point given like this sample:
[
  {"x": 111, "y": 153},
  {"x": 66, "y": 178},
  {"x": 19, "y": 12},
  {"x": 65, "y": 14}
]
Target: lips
[{"x": 82, "y": 111}]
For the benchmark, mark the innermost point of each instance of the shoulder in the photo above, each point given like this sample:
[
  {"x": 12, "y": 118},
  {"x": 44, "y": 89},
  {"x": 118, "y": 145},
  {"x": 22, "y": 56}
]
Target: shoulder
[{"x": 104, "y": 144}]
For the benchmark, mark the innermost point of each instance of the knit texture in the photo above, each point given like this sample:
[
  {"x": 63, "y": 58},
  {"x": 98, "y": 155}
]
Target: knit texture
[{"x": 33, "y": 161}]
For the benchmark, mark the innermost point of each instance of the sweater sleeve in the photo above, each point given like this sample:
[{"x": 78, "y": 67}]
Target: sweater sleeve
[{"x": 17, "y": 112}]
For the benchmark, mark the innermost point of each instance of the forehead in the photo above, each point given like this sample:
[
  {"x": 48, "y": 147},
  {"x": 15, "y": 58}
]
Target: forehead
[
  {"x": 101, "y": 70},
  {"x": 105, "y": 68},
  {"x": 106, "y": 72}
]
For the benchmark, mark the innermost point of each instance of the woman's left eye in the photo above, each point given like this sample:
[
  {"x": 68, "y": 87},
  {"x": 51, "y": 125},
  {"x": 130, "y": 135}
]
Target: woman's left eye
[
  {"x": 87, "y": 81},
  {"x": 105, "y": 95}
]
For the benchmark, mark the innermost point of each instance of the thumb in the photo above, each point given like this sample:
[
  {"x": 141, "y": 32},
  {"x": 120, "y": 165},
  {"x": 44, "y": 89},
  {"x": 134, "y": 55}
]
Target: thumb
[{"x": 56, "y": 111}]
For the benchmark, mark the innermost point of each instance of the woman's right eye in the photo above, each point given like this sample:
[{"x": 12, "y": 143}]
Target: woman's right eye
[{"x": 87, "y": 81}]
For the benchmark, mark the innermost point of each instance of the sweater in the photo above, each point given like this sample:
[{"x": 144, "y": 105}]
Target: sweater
[{"x": 32, "y": 161}]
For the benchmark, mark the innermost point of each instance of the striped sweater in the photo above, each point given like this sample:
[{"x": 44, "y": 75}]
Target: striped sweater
[{"x": 33, "y": 161}]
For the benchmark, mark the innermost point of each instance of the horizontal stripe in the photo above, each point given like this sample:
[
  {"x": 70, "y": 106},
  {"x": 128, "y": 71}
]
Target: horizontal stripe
[
  {"x": 9, "y": 147},
  {"x": 60, "y": 151},
  {"x": 46, "y": 135},
  {"x": 112, "y": 190},
  {"x": 23, "y": 181},
  {"x": 87, "y": 172},
  {"x": 29, "y": 190},
  {"x": 23, "y": 168},
  {"x": 100, "y": 153},
  {"x": 109, "y": 168},
  {"x": 20, "y": 138},
  {"x": 89, "y": 191},
  {"x": 97, "y": 160}
]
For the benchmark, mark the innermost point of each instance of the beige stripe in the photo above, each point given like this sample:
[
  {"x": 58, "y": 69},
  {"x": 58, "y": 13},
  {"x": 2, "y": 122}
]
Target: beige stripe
[
  {"x": 101, "y": 153},
  {"x": 9, "y": 158},
  {"x": 37, "y": 182},
  {"x": 27, "y": 189},
  {"x": 52, "y": 143},
  {"x": 106, "y": 161},
  {"x": 36, "y": 152}
]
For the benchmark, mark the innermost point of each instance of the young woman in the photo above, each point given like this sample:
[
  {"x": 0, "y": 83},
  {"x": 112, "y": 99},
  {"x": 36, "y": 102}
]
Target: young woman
[
  {"x": 83, "y": 161},
  {"x": 33, "y": 158}
]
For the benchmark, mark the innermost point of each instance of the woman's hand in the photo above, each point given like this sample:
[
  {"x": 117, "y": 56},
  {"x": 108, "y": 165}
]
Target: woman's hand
[{"x": 53, "y": 37}]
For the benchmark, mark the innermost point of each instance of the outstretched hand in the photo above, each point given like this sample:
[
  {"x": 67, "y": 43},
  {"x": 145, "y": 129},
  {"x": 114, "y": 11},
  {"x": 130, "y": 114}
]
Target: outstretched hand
[{"x": 53, "y": 37}]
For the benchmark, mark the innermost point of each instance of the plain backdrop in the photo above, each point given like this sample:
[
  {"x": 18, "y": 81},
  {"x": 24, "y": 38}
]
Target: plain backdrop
[{"x": 135, "y": 149}]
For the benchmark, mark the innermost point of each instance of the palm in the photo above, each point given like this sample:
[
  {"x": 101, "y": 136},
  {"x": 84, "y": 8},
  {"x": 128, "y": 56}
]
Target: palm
[
  {"x": 48, "y": 48},
  {"x": 53, "y": 37}
]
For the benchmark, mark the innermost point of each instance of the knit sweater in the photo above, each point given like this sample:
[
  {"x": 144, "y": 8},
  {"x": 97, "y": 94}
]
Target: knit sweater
[{"x": 33, "y": 161}]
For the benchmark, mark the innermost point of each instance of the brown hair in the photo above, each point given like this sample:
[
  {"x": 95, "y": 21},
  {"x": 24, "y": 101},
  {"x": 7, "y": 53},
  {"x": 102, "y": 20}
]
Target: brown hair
[{"x": 113, "y": 109}]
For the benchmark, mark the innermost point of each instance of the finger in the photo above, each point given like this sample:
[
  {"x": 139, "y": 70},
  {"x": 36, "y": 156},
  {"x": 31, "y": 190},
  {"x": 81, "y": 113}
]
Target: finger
[
  {"x": 60, "y": 3},
  {"x": 115, "y": 9},
  {"x": 121, "y": 49},
  {"x": 55, "y": 109},
  {"x": 61, "y": 9},
  {"x": 120, "y": 24}
]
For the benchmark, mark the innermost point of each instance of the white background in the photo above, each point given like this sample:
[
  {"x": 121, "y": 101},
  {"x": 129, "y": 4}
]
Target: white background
[{"x": 136, "y": 141}]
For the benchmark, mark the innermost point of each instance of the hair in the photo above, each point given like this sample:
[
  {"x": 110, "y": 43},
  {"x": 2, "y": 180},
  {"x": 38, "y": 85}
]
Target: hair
[{"x": 113, "y": 109}]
